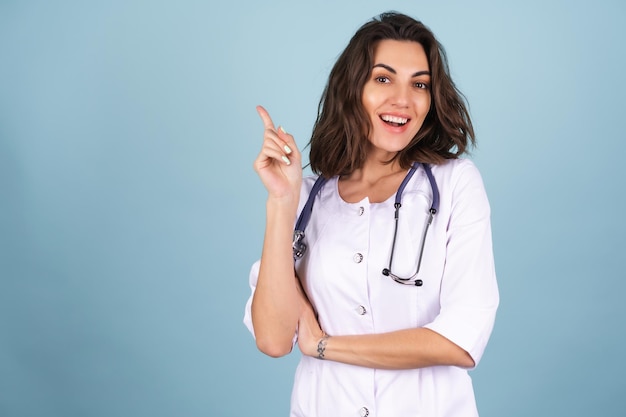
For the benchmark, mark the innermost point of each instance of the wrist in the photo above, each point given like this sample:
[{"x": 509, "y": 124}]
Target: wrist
[
  {"x": 288, "y": 197},
  {"x": 321, "y": 346},
  {"x": 281, "y": 212}
]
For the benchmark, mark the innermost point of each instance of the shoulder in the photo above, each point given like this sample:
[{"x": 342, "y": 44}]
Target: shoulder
[
  {"x": 461, "y": 185},
  {"x": 453, "y": 169},
  {"x": 458, "y": 174},
  {"x": 308, "y": 182}
]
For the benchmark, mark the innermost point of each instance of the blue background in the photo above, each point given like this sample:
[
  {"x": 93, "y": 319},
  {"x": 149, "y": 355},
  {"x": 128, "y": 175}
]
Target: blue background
[{"x": 130, "y": 213}]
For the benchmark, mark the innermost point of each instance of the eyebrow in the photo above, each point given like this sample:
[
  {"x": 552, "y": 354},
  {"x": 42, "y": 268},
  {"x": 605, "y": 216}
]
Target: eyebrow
[{"x": 393, "y": 71}]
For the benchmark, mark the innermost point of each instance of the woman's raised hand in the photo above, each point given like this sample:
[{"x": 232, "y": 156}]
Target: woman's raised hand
[{"x": 279, "y": 164}]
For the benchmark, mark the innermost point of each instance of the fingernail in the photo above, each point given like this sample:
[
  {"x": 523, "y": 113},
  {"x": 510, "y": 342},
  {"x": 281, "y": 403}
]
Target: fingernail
[
  {"x": 287, "y": 149},
  {"x": 287, "y": 161},
  {"x": 281, "y": 129}
]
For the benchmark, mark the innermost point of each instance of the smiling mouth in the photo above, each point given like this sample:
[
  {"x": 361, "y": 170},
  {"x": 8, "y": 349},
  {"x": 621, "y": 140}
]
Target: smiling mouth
[{"x": 394, "y": 120}]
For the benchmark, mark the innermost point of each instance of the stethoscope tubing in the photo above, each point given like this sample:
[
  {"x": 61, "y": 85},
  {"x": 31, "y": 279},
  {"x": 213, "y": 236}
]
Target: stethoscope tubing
[{"x": 298, "y": 245}]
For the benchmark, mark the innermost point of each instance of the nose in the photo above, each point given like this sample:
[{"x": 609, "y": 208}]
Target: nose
[{"x": 400, "y": 95}]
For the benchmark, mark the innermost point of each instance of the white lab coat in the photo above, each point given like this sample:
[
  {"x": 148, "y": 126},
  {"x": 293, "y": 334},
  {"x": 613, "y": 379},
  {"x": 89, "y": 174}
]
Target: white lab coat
[{"x": 348, "y": 246}]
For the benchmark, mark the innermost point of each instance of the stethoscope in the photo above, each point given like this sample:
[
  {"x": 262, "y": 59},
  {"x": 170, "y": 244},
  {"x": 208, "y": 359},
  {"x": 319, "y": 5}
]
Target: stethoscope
[{"x": 299, "y": 247}]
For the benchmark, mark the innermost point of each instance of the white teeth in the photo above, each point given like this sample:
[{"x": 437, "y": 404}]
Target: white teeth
[{"x": 394, "y": 119}]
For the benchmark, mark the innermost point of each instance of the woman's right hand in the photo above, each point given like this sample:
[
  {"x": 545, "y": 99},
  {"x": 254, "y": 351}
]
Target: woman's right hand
[{"x": 279, "y": 164}]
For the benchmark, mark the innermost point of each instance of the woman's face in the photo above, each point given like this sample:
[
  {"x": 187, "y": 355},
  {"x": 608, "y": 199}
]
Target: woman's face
[{"x": 396, "y": 97}]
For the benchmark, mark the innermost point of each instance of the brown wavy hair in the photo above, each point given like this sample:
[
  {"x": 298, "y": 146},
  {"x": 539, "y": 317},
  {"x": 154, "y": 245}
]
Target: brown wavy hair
[{"x": 339, "y": 142}]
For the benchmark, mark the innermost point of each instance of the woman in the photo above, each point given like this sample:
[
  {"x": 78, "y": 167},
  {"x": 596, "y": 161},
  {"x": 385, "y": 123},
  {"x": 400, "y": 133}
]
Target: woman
[{"x": 378, "y": 338}]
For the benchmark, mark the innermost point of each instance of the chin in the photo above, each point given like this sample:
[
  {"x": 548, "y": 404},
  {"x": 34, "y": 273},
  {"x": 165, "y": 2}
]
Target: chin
[{"x": 394, "y": 148}]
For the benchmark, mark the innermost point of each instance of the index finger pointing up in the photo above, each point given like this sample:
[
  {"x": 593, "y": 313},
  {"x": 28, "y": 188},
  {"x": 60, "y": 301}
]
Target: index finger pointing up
[{"x": 265, "y": 116}]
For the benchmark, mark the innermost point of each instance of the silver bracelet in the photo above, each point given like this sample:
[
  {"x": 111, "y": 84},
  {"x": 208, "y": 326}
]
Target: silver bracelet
[{"x": 321, "y": 346}]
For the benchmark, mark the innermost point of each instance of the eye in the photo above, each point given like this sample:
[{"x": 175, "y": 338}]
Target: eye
[
  {"x": 382, "y": 79},
  {"x": 421, "y": 85}
]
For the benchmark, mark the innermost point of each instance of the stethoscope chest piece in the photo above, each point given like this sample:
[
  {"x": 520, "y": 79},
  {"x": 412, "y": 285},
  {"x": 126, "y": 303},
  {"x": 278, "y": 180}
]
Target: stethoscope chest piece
[{"x": 298, "y": 246}]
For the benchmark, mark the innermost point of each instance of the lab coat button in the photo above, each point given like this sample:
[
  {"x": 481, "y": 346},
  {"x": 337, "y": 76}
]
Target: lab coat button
[
  {"x": 364, "y": 412},
  {"x": 358, "y": 258},
  {"x": 361, "y": 211},
  {"x": 361, "y": 310}
]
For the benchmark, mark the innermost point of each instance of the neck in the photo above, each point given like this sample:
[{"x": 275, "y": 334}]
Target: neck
[
  {"x": 376, "y": 180},
  {"x": 375, "y": 168}
]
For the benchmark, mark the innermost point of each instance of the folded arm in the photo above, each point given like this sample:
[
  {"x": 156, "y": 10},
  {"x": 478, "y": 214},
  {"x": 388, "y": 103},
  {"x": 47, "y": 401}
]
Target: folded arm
[{"x": 402, "y": 349}]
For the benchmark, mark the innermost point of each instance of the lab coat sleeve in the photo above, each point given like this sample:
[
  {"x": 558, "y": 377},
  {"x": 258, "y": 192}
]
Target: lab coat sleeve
[
  {"x": 469, "y": 294},
  {"x": 252, "y": 280}
]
